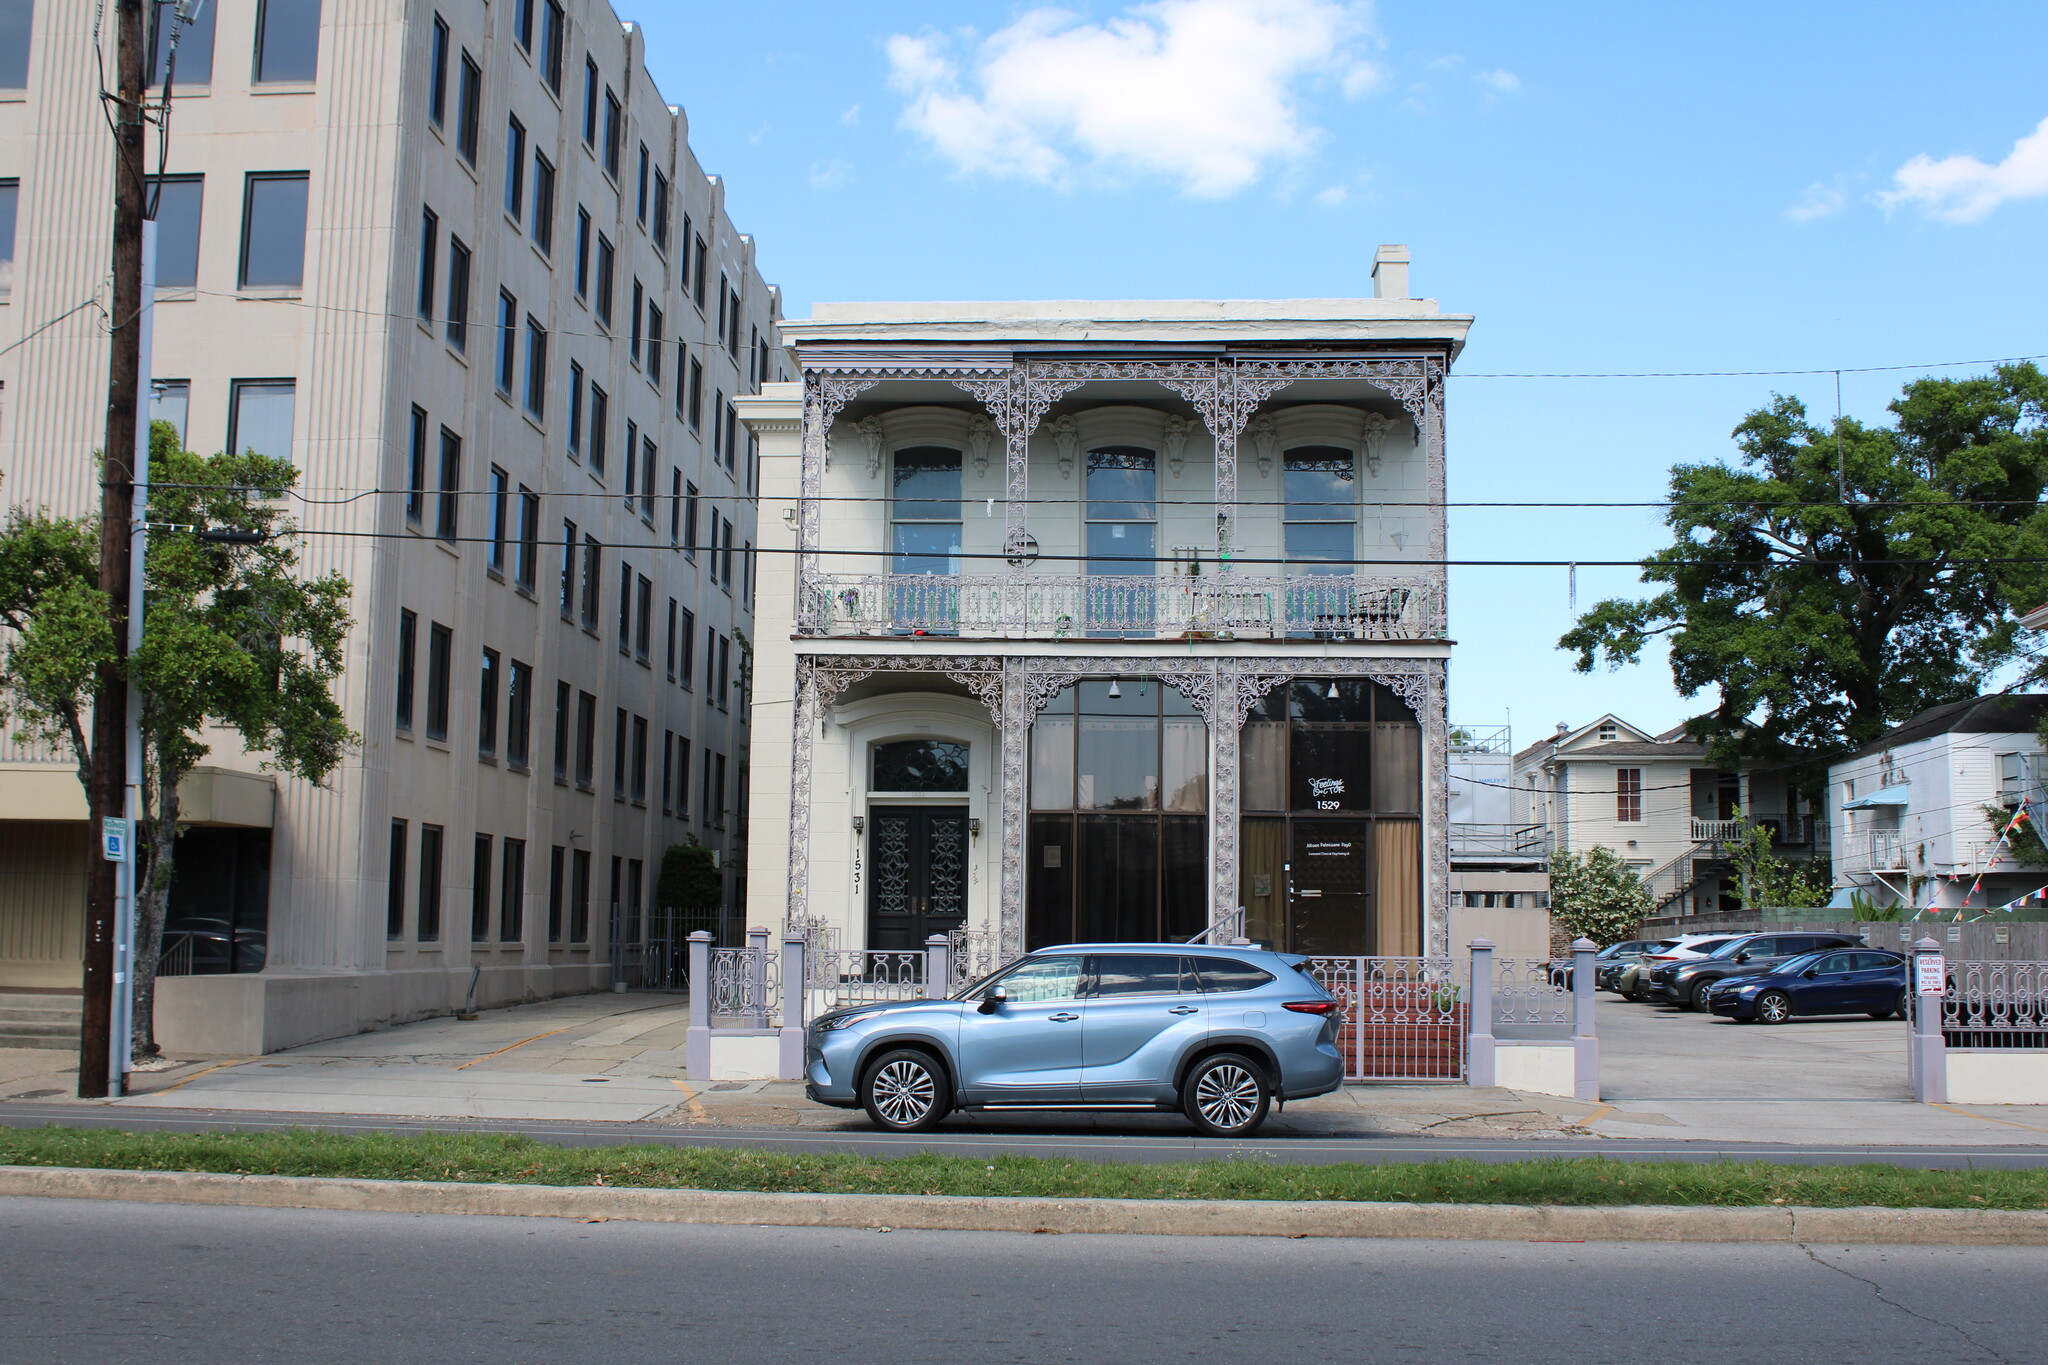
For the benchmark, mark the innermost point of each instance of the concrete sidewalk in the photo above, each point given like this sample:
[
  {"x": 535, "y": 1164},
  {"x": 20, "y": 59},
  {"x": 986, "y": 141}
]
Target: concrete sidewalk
[{"x": 619, "y": 1058}]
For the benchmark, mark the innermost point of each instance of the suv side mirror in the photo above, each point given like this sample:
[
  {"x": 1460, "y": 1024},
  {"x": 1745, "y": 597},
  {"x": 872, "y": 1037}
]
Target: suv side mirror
[
  {"x": 1742, "y": 956},
  {"x": 996, "y": 998},
  {"x": 1810, "y": 973}
]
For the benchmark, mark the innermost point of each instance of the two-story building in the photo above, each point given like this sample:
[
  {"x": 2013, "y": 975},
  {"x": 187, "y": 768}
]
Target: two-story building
[
  {"x": 1099, "y": 620},
  {"x": 1655, "y": 800},
  {"x": 1909, "y": 809}
]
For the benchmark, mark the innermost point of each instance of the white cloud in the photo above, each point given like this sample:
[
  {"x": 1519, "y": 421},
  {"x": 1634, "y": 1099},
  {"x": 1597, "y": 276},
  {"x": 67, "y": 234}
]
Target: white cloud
[
  {"x": 1817, "y": 201},
  {"x": 1500, "y": 82},
  {"x": 851, "y": 116},
  {"x": 1333, "y": 196},
  {"x": 1962, "y": 189},
  {"x": 1202, "y": 92},
  {"x": 830, "y": 175}
]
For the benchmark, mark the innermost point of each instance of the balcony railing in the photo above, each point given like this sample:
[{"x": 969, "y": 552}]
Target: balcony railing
[
  {"x": 1473, "y": 839},
  {"x": 1874, "y": 851},
  {"x": 1045, "y": 606},
  {"x": 1717, "y": 831}
]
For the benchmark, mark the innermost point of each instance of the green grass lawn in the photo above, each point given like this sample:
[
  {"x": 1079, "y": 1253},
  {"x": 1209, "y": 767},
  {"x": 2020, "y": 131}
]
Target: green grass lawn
[{"x": 518, "y": 1160}]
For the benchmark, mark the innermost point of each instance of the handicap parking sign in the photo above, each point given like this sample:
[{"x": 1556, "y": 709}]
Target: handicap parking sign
[{"x": 114, "y": 839}]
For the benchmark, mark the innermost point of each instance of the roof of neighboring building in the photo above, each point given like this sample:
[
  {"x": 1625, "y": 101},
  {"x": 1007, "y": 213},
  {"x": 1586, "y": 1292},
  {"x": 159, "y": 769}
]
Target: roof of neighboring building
[
  {"x": 1626, "y": 749},
  {"x": 1998, "y": 713}
]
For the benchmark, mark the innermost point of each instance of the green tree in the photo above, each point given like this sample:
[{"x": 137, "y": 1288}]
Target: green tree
[
  {"x": 234, "y": 636},
  {"x": 1596, "y": 895},
  {"x": 689, "y": 879},
  {"x": 1767, "y": 879},
  {"x": 1836, "y": 581}
]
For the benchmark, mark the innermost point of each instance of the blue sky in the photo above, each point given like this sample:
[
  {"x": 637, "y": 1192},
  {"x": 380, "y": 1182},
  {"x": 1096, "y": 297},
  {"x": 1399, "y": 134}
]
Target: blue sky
[{"x": 1620, "y": 187}]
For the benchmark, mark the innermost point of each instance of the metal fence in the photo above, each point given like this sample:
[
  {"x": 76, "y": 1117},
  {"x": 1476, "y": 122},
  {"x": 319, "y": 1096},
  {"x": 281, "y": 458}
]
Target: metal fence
[
  {"x": 2002, "y": 1005},
  {"x": 1405, "y": 1018},
  {"x": 746, "y": 985},
  {"x": 863, "y": 976},
  {"x": 1532, "y": 990}
]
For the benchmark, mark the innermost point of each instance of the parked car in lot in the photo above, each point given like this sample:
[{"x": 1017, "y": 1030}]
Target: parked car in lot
[
  {"x": 1217, "y": 1033},
  {"x": 1688, "y": 982},
  {"x": 1632, "y": 981},
  {"x": 1606, "y": 958},
  {"x": 1858, "y": 981}
]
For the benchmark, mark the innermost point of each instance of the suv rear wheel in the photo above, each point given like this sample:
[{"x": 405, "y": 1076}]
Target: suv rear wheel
[
  {"x": 1701, "y": 990},
  {"x": 1226, "y": 1095},
  {"x": 904, "y": 1091}
]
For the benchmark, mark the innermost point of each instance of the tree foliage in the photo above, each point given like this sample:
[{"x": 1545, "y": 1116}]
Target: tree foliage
[
  {"x": 1820, "y": 619},
  {"x": 1596, "y": 895},
  {"x": 234, "y": 635},
  {"x": 1767, "y": 879},
  {"x": 689, "y": 879}
]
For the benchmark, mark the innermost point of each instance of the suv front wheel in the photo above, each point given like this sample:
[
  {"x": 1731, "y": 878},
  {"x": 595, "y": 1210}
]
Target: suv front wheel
[
  {"x": 904, "y": 1091},
  {"x": 1227, "y": 1095}
]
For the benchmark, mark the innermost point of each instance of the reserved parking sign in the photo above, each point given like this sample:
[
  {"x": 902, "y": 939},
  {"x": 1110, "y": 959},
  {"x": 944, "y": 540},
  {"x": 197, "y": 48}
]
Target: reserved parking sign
[{"x": 1930, "y": 974}]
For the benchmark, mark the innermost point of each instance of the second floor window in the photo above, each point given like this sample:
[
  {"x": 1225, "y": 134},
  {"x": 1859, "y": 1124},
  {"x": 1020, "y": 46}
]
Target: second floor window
[
  {"x": 1628, "y": 795},
  {"x": 1322, "y": 509},
  {"x": 458, "y": 295},
  {"x": 274, "y": 231},
  {"x": 470, "y": 110},
  {"x": 515, "y": 169},
  {"x": 1123, "y": 510},
  {"x": 287, "y": 41},
  {"x": 536, "y": 368}
]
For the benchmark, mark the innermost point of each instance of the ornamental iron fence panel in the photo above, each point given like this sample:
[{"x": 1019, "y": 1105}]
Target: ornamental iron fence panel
[
  {"x": 972, "y": 954},
  {"x": 1131, "y": 606},
  {"x": 1532, "y": 990},
  {"x": 865, "y": 976},
  {"x": 746, "y": 986},
  {"x": 1999, "y": 1005},
  {"x": 1405, "y": 1018}
]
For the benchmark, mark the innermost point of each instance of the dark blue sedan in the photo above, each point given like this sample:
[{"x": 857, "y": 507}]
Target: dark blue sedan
[{"x": 1848, "y": 981}]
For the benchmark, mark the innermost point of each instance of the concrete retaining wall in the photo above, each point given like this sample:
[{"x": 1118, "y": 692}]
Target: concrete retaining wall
[{"x": 1986, "y": 1077}]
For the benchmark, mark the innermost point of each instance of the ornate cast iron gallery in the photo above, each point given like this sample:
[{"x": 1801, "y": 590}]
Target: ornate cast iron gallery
[{"x": 1135, "y": 749}]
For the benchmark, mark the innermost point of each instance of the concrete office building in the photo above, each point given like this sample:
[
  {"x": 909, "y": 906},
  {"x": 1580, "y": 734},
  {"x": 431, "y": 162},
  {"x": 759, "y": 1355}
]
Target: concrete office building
[{"x": 458, "y": 263}]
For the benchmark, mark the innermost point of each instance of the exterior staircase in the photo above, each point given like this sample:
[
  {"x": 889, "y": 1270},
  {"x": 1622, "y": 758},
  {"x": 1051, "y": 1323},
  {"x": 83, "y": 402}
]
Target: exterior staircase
[
  {"x": 33, "y": 1019},
  {"x": 1702, "y": 863}
]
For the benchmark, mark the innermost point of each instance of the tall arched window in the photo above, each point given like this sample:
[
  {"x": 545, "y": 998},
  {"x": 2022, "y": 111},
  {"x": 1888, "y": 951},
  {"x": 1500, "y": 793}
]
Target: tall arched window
[
  {"x": 1117, "y": 848},
  {"x": 1122, "y": 533}
]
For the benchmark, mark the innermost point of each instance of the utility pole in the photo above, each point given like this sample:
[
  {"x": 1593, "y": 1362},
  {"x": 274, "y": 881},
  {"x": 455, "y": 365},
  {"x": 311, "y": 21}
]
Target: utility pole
[{"x": 117, "y": 499}]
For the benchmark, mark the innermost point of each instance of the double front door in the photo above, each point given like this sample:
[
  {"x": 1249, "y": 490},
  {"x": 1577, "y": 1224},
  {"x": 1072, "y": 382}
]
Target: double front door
[{"x": 917, "y": 874}]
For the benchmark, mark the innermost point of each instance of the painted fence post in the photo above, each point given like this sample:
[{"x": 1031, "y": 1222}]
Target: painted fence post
[
  {"x": 1479, "y": 1059},
  {"x": 791, "y": 1054},
  {"x": 697, "y": 1038},
  {"x": 1585, "y": 1043},
  {"x": 938, "y": 967},
  {"x": 1927, "y": 1055},
  {"x": 757, "y": 977}
]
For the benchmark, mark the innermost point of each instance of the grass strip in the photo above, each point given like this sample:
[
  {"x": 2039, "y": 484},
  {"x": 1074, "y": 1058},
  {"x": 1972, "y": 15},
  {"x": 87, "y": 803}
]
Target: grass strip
[{"x": 510, "y": 1159}]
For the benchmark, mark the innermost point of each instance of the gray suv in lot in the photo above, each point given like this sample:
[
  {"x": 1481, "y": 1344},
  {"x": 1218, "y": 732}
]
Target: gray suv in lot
[{"x": 1219, "y": 1033}]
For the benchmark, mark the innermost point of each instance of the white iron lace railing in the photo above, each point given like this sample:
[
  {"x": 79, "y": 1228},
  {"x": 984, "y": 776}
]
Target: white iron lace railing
[
  {"x": 1405, "y": 1018},
  {"x": 746, "y": 986},
  {"x": 862, "y": 976},
  {"x": 972, "y": 954},
  {"x": 1996, "y": 1005},
  {"x": 1055, "y": 606},
  {"x": 1532, "y": 990},
  {"x": 1228, "y": 927}
]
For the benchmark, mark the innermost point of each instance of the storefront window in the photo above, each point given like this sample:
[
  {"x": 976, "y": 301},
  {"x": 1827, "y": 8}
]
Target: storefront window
[{"x": 1118, "y": 838}]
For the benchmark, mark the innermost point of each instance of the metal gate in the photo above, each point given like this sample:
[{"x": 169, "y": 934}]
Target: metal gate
[{"x": 1405, "y": 1018}]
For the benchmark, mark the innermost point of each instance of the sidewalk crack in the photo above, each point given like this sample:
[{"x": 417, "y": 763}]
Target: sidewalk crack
[{"x": 1890, "y": 1302}]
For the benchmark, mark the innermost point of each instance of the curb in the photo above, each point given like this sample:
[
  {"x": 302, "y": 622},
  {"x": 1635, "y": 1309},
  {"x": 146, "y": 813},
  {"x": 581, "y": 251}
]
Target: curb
[{"x": 1156, "y": 1217}]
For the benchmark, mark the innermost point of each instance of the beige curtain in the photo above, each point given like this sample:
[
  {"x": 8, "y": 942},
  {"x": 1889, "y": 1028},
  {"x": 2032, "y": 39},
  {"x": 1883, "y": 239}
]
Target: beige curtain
[
  {"x": 1262, "y": 854},
  {"x": 1397, "y": 899}
]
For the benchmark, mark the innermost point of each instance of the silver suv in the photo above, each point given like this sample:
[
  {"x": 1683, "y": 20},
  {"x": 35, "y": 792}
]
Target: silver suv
[{"x": 1218, "y": 1033}]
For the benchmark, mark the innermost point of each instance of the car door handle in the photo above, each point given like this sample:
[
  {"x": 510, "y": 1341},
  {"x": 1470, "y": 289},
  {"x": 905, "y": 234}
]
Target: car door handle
[
  {"x": 1184, "y": 1009},
  {"x": 1063, "y": 1018}
]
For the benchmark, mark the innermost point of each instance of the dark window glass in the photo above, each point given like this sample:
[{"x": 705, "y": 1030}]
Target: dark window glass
[
  {"x": 641, "y": 187},
  {"x": 660, "y": 212},
  {"x": 471, "y": 114},
  {"x": 536, "y": 368},
  {"x": 586, "y": 739},
  {"x": 522, "y": 23},
  {"x": 437, "y": 74},
  {"x": 619, "y": 755},
  {"x": 408, "y": 643},
  {"x": 519, "y": 714},
  {"x": 487, "y": 705},
  {"x": 614, "y": 133},
  {"x": 287, "y": 40},
  {"x": 394, "y": 884},
  {"x": 686, "y": 666},
  {"x": 924, "y": 510},
  {"x": 557, "y": 891},
  {"x": 600, "y": 419},
  {"x": 508, "y": 339},
  {"x": 1222, "y": 974},
  {"x": 430, "y": 247},
  {"x": 480, "y": 890},
  {"x": 458, "y": 295},
  {"x": 440, "y": 652},
  {"x": 575, "y": 411},
  {"x": 512, "y": 893},
  {"x": 590, "y": 83},
  {"x": 1330, "y": 756},
  {"x": 543, "y": 225},
  {"x": 194, "y": 53},
  {"x": 562, "y": 723},
  {"x": 579, "y": 897},
  {"x": 500, "y": 528},
  {"x": 643, "y": 596},
  {"x": 274, "y": 231},
  {"x": 177, "y": 231},
  {"x": 1321, "y": 489},
  {"x": 920, "y": 765},
  {"x": 593, "y": 585},
  {"x": 604, "y": 279},
  {"x": 639, "y": 787},
  {"x": 551, "y": 44},
  {"x": 526, "y": 567},
  {"x": 582, "y": 252},
  {"x": 633, "y": 327},
  {"x": 1131, "y": 974},
  {"x": 515, "y": 169},
  {"x": 430, "y": 883},
  {"x": 450, "y": 496}
]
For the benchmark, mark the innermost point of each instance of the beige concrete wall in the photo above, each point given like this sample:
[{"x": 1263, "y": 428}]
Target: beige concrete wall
[
  {"x": 1515, "y": 933},
  {"x": 1997, "y": 1077}
]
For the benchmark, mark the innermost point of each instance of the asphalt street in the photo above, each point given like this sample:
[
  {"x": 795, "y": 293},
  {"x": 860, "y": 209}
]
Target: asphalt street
[
  {"x": 1140, "y": 1137},
  {"x": 116, "y": 1282}
]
